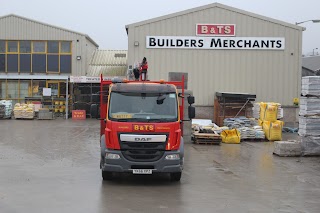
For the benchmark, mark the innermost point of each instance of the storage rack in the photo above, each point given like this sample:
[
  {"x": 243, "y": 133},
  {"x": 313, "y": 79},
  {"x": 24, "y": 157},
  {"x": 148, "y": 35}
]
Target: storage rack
[{"x": 229, "y": 105}]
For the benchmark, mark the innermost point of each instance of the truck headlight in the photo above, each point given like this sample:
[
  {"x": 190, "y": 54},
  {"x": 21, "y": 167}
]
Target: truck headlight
[
  {"x": 173, "y": 157},
  {"x": 112, "y": 156}
]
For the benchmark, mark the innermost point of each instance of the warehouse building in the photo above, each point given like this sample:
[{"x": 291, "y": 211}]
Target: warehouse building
[
  {"x": 222, "y": 49},
  {"x": 36, "y": 55}
]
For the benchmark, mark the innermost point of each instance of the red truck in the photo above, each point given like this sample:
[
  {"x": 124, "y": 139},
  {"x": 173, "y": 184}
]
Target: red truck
[{"x": 141, "y": 127}]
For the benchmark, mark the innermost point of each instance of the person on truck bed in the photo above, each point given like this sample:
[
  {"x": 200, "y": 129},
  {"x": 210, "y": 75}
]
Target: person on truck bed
[{"x": 144, "y": 69}]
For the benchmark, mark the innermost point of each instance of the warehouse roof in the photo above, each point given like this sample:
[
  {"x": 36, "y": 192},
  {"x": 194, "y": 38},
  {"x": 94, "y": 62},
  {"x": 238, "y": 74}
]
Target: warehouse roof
[
  {"x": 60, "y": 28},
  {"x": 108, "y": 63},
  {"x": 311, "y": 62},
  {"x": 213, "y": 5}
]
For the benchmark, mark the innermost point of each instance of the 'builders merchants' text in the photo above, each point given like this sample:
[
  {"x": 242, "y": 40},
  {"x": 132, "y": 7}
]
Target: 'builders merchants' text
[{"x": 263, "y": 43}]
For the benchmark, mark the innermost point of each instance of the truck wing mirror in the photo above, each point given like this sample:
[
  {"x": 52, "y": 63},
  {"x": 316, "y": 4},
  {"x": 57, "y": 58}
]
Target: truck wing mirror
[
  {"x": 191, "y": 99},
  {"x": 94, "y": 110},
  {"x": 191, "y": 112}
]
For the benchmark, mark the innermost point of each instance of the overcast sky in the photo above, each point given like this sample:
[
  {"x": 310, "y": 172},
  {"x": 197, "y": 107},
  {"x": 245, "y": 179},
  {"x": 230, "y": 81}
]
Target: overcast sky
[{"x": 105, "y": 20}]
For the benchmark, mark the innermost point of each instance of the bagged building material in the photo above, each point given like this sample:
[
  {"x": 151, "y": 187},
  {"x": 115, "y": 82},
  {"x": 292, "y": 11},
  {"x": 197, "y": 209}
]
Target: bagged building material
[
  {"x": 310, "y": 86},
  {"x": 256, "y": 110},
  {"x": 273, "y": 130},
  {"x": 231, "y": 136},
  {"x": 8, "y": 108},
  {"x": 309, "y": 106},
  {"x": 218, "y": 130},
  {"x": 2, "y": 111},
  {"x": 309, "y": 126},
  {"x": 247, "y": 133},
  {"x": 255, "y": 132},
  {"x": 310, "y": 146},
  {"x": 259, "y": 114},
  {"x": 268, "y": 111},
  {"x": 287, "y": 148},
  {"x": 235, "y": 123},
  {"x": 259, "y": 133},
  {"x": 23, "y": 111}
]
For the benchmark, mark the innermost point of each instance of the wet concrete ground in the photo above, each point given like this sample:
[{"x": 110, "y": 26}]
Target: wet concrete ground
[{"x": 53, "y": 166}]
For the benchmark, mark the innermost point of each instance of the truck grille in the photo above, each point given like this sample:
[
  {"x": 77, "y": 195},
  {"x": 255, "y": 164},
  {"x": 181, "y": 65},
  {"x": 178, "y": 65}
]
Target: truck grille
[{"x": 142, "y": 151}]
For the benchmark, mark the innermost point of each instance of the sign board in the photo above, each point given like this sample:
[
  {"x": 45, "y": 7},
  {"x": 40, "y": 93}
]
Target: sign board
[
  {"x": 78, "y": 114},
  {"x": 215, "y": 29},
  {"x": 85, "y": 79},
  {"x": 46, "y": 92},
  {"x": 215, "y": 43}
]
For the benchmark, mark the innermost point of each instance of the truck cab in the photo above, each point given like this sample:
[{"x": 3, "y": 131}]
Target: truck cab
[{"x": 141, "y": 128}]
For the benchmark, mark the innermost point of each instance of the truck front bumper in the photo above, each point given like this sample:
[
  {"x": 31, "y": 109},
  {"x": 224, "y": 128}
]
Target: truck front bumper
[{"x": 124, "y": 165}]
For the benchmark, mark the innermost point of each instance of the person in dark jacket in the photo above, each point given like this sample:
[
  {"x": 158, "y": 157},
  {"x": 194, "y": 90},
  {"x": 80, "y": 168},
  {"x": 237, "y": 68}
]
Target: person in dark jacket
[{"x": 144, "y": 69}]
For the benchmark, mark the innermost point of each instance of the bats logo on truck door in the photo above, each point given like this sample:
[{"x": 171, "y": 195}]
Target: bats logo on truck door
[{"x": 143, "y": 128}]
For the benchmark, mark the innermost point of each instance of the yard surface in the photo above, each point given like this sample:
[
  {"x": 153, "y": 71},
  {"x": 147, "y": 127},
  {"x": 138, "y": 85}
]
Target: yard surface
[{"x": 53, "y": 166}]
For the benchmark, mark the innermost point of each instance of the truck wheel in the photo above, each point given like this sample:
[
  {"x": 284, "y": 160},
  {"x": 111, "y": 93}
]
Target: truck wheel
[
  {"x": 106, "y": 175},
  {"x": 176, "y": 176}
]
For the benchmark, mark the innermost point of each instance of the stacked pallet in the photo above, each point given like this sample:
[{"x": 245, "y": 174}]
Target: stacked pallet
[
  {"x": 207, "y": 138},
  {"x": 310, "y": 86},
  {"x": 45, "y": 114},
  {"x": 309, "y": 120},
  {"x": 206, "y": 132}
]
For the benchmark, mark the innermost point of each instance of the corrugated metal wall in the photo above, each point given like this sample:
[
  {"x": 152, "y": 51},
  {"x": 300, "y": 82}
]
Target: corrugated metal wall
[
  {"x": 16, "y": 28},
  {"x": 107, "y": 63},
  {"x": 271, "y": 75}
]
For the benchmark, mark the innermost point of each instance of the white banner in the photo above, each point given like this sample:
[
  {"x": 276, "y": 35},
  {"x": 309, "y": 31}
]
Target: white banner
[
  {"x": 85, "y": 79},
  {"x": 215, "y": 43}
]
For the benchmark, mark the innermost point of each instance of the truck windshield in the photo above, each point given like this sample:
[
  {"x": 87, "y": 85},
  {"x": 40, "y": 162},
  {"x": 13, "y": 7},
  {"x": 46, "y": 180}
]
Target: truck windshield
[{"x": 143, "y": 107}]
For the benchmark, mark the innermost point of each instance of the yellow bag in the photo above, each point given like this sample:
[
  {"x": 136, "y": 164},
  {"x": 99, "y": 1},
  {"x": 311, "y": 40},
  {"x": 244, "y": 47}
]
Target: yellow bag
[
  {"x": 268, "y": 111},
  {"x": 260, "y": 122},
  {"x": 273, "y": 130},
  {"x": 230, "y": 136}
]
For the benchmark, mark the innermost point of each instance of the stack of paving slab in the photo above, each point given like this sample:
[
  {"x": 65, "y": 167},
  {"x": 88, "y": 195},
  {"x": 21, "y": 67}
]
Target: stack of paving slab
[{"x": 309, "y": 120}]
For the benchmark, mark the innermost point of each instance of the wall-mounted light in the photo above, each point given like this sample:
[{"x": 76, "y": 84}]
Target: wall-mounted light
[
  {"x": 136, "y": 43},
  {"x": 78, "y": 57}
]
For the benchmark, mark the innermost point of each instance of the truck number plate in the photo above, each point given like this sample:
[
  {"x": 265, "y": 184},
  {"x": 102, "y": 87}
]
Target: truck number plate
[{"x": 142, "y": 171}]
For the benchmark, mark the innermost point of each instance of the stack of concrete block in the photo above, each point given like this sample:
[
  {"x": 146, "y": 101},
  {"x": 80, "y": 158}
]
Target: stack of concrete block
[{"x": 309, "y": 120}]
